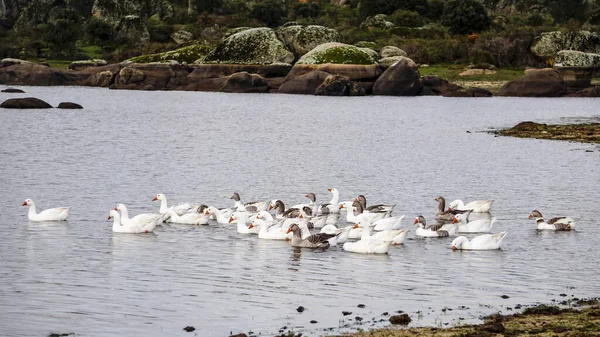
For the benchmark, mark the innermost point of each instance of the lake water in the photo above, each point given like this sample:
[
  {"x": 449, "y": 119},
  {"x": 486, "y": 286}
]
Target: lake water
[{"x": 127, "y": 146}]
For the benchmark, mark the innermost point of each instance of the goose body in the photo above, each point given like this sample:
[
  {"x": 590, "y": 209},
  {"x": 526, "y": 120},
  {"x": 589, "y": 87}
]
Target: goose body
[
  {"x": 477, "y": 206},
  {"x": 367, "y": 247},
  {"x": 475, "y": 226},
  {"x": 142, "y": 220},
  {"x": 442, "y": 214},
  {"x": 374, "y": 208},
  {"x": 179, "y": 209},
  {"x": 344, "y": 233},
  {"x": 481, "y": 242},
  {"x": 265, "y": 233},
  {"x": 385, "y": 235},
  {"x": 433, "y": 231},
  {"x": 557, "y": 226},
  {"x": 188, "y": 218},
  {"x": 332, "y": 206},
  {"x": 535, "y": 214},
  {"x": 131, "y": 227},
  {"x": 303, "y": 238},
  {"x": 240, "y": 218},
  {"x": 51, "y": 214},
  {"x": 221, "y": 216},
  {"x": 388, "y": 223},
  {"x": 252, "y": 207}
]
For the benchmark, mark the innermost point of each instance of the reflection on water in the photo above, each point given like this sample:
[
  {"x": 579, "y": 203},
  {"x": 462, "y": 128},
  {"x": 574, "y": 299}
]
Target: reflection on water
[{"x": 78, "y": 276}]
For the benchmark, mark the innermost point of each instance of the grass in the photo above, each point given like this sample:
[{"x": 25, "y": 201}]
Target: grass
[{"x": 450, "y": 72}]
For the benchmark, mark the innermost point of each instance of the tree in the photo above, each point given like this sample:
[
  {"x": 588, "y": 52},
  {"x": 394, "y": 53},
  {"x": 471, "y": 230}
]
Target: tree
[
  {"x": 565, "y": 10},
  {"x": 209, "y": 6},
  {"x": 270, "y": 12},
  {"x": 62, "y": 34},
  {"x": 373, "y": 7},
  {"x": 98, "y": 31},
  {"x": 465, "y": 16}
]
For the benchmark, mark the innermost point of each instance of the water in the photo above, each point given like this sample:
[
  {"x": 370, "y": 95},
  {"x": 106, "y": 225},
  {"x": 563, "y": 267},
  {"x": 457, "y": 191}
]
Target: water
[{"x": 127, "y": 146}]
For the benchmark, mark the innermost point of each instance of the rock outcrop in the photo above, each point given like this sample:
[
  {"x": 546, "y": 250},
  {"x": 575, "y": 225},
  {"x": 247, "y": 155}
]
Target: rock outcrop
[
  {"x": 25, "y": 103},
  {"x": 376, "y": 21},
  {"x": 390, "y": 51},
  {"x": 250, "y": 46},
  {"x": 546, "y": 45},
  {"x": 245, "y": 83},
  {"x": 336, "y": 53},
  {"x": 69, "y": 105},
  {"x": 337, "y": 85},
  {"x": 540, "y": 83},
  {"x": 153, "y": 76},
  {"x": 574, "y": 58},
  {"x": 306, "y": 84},
  {"x": 83, "y": 64},
  {"x": 434, "y": 85},
  {"x": 302, "y": 39},
  {"x": 187, "y": 55},
  {"x": 401, "y": 79},
  {"x": 132, "y": 29}
]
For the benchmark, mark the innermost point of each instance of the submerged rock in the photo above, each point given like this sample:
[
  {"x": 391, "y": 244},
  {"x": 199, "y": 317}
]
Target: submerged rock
[
  {"x": 69, "y": 105},
  {"x": 25, "y": 103},
  {"x": 13, "y": 91},
  {"x": 306, "y": 84}
]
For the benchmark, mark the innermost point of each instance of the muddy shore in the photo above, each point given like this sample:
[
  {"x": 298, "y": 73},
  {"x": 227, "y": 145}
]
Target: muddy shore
[{"x": 584, "y": 133}]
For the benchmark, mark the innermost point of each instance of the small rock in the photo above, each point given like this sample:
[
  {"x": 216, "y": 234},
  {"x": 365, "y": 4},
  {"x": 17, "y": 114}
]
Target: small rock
[
  {"x": 346, "y": 313},
  {"x": 300, "y": 309},
  {"x": 13, "y": 91},
  {"x": 189, "y": 328},
  {"x": 402, "y": 319},
  {"x": 385, "y": 313},
  {"x": 361, "y": 306},
  {"x": 505, "y": 296},
  {"x": 313, "y": 322},
  {"x": 399, "y": 312},
  {"x": 563, "y": 295},
  {"x": 358, "y": 319},
  {"x": 69, "y": 105}
]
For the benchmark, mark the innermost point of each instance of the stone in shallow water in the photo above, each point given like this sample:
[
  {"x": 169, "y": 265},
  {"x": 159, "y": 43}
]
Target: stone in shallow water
[
  {"x": 69, "y": 105},
  {"x": 25, "y": 103},
  {"x": 13, "y": 91}
]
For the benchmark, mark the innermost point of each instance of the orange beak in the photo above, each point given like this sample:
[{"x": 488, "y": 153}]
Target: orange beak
[
  {"x": 355, "y": 226},
  {"x": 341, "y": 206},
  {"x": 155, "y": 198},
  {"x": 306, "y": 195},
  {"x": 436, "y": 199},
  {"x": 453, "y": 247},
  {"x": 24, "y": 203},
  {"x": 251, "y": 226},
  {"x": 206, "y": 212},
  {"x": 450, "y": 209},
  {"x": 329, "y": 189},
  {"x": 288, "y": 231},
  {"x": 530, "y": 215},
  {"x": 230, "y": 219},
  {"x": 270, "y": 207},
  {"x": 300, "y": 216},
  {"x": 416, "y": 221},
  {"x": 115, "y": 209},
  {"x": 454, "y": 220},
  {"x": 109, "y": 217}
]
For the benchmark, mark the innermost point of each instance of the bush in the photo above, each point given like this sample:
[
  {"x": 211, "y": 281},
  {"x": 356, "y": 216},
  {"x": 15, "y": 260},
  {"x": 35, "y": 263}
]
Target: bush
[
  {"x": 465, "y": 16},
  {"x": 270, "y": 12},
  {"x": 161, "y": 33},
  {"x": 209, "y": 6},
  {"x": 306, "y": 10},
  {"x": 373, "y": 7},
  {"x": 404, "y": 18},
  {"x": 436, "y": 9},
  {"x": 98, "y": 31},
  {"x": 535, "y": 20},
  {"x": 566, "y": 10}
]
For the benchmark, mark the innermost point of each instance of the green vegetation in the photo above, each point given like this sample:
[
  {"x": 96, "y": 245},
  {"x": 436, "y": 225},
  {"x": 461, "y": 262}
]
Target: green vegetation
[
  {"x": 585, "y": 133},
  {"x": 465, "y": 16}
]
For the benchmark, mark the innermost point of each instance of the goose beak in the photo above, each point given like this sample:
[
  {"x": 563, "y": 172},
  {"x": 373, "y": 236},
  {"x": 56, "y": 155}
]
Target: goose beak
[
  {"x": 155, "y": 198},
  {"x": 416, "y": 221},
  {"x": 453, "y": 247},
  {"x": 341, "y": 206},
  {"x": 450, "y": 209},
  {"x": 530, "y": 215},
  {"x": 270, "y": 207},
  {"x": 329, "y": 189},
  {"x": 355, "y": 226},
  {"x": 436, "y": 199},
  {"x": 251, "y": 226},
  {"x": 109, "y": 217},
  {"x": 306, "y": 195},
  {"x": 454, "y": 220},
  {"x": 288, "y": 231},
  {"x": 116, "y": 208},
  {"x": 300, "y": 216},
  {"x": 24, "y": 203},
  {"x": 206, "y": 212},
  {"x": 230, "y": 219}
]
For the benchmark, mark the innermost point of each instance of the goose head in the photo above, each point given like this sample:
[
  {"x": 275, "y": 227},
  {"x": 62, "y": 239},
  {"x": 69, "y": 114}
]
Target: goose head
[
  {"x": 458, "y": 242},
  {"x": 535, "y": 214},
  {"x": 420, "y": 221},
  {"x": 295, "y": 229},
  {"x": 113, "y": 214},
  {"x": 362, "y": 200},
  {"x": 27, "y": 202},
  {"x": 235, "y": 196},
  {"x": 120, "y": 207},
  {"x": 202, "y": 208},
  {"x": 455, "y": 204},
  {"x": 312, "y": 197},
  {"x": 159, "y": 196}
]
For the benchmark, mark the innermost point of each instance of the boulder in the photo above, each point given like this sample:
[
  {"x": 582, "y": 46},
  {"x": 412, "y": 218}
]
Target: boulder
[
  {"x": 102, "y": 79},
  {"x": 389, "y": 51},
  {"x": 355, "y": 72},
  {"x": 83, "y": 64},
  {"x": 207, "y": 84},
  {"x": 546, "y": 45},
  {"x": 275, "y": 70},
  {"x": 376, "y": 21},
  {"x": 244, "y": 82},
  {"x": 438, "y": 86},
  {"x": 574, "y": 58},
  {"x": 387, "y": 62},
  {"x": 541, "y": 83},
  {"x": 473, "y": 72},
  {"x": 212, "y": 33},
  {"x": 69, "y": 105},
  {"x": 401, "y": 79},
  {"x": 13, "y": 91},
  {"x": 25, "y": 103},
  {"x": 469, "y": 92},
  {"x": 250, "y": 46},
  {"x": 151, "y": 76},
  {"x": 366, "y": 44},
  {"x": 187, "y": 55},
  {"x": 205, "y": 71},
  {"x": 306, "y": 84},
  {"x": 10, "y": 61},
  {"x": 28, "y": 74},
  {"x": 587, "y": 92},
  {"x": 182, "y": 36},
  {"x": 302, "y": 39},
  {"x": 374, "y": 55},
  {"x": 337, "y": 53},
  {"x": 132, "y": 28},
  {"x": 337, "y": 85}
]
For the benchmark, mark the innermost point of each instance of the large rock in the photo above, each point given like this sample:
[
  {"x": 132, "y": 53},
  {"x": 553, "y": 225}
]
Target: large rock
[
  {"x": 132, "y": 28},
  {"x": 337, "y": 85},
  {"x": 245, "y": 83},
  {"x": 541, "y": 83},
  {"x": 187, "y": 54},
  {"x": 83, "y": 64},
  {"x": 376, "y": 21},
  {"x": 275, "y": 70},
  {"x": 546, "y": 45},
  {"x": 101, "y": 79},
  {"x": 10, "y": 61},
  {"x": 25, "y": 103},
  {"x": 206, "y": 71},
  {"x": 587, "y": 92},
  {"x": 401, "y": 79},
  {"x": 574, "y": 58},
  {"x": 355, "y": 72},
  {"x": 387, "y": 62},
  {"x": 28, "y": 74},
  {"x": 374, "y": 55},
  {"x": 434, "y": 85},
  {"x": 336, "y": 53},
  {"x": 69, "y": 105},
  {"x": 300, "y": 39},
  {"x": 390, "y": 51},
  {"x": 182, "y": 36},
  {"x": 151, "y": 76},
  {"x": 306, "y": 84},
  {"x": 250, "y": 46},
  {"x": 469, "y": 92}
]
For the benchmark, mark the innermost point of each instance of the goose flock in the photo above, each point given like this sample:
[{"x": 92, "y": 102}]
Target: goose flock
[{"x": 356, "y": 226}]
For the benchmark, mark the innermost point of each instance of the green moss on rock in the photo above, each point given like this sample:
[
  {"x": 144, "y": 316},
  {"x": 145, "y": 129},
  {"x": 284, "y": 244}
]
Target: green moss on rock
[
  {"x": 336, "y": 53},
  {"x": 187, "y": 54}
]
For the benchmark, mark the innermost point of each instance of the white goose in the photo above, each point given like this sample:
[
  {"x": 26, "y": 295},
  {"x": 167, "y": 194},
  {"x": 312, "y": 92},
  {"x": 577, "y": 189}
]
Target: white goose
[
  {"x": 179, "y": 209},
  {"x": 542, "y": 225},
  {"x": 344, "y": 232},
  {"x": 141, "y": 220},
  {"x": 240, "y": 218},
  {"x": 367, "y": 247},
  {"x": 433, "y": 231},
  {"x": 477, "y": 206},
  {"x": 535, "y": 214},
  {"x": 265, "y": 233},
  {"x": 119, "y": 227},
  {"x": 51, "y": 214},
  {"x": 388, "y": 223},
  {"x": 475, "y": 226},
  {"x": 353, "y": 233},
  {"x": 361, "y": 214},
  {"x": 397, "y": 235},
  {"x": 221, "y": 216},
  {"x": 481, "y": 242},
  {"x": 191, "y": 218},
  {"x": 333, "y": 206}
]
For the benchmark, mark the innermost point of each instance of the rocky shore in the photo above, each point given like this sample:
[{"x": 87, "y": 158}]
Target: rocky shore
[
  {"x": 542, "y": 320},
  {"x": 585, "y": 133}
]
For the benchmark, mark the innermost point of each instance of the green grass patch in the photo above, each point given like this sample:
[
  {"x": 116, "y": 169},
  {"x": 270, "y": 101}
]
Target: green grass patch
[
  {"x": 451, "y": 73},
  {"x": 92, "y": 52}
]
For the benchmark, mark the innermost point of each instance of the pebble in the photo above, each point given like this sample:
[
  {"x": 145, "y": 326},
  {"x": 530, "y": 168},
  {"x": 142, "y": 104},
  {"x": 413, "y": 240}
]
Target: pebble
[
  {"x": 358, "y": 319},
  {"x": 346, "y": 313},
  {"x": 563, "y": 295},
  {"x": 313, "y": 322},
  {"x": 300, "y": 309},
  {"x": 505, "y": 296},
  {"x": 361, "y": 305},
  {"x": 385, "y": 313},
  {"x": 189, "y": 328}
]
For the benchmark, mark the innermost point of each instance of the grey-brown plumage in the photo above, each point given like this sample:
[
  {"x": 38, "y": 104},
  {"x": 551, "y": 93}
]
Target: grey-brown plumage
[
  {"x": 373, "y": 208},
  {"x": 443, "y": 233},
  {"x": 235, "y": 196},
  {"x": 202, "y": 208},
  {"x": 442, "y": 213},
  {"x": 318, "y": 240},
  {"x": 312, "y": 197}
]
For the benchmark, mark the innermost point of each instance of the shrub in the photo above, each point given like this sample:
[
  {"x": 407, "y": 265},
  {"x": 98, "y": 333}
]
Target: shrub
[
  {"x": 535, "y": 20},
  {"x": 306, "y": 10},
  {"x": 566, "y": 10},
  {"x": 436, "y": 9},
  {"x": 404, "y": 18},
  {"x": 98, "y": 31},
  {"x": 161, "y": 33},
  {"x": 209, "y": 6},
  {"x": 465, "y": 16},
  {"x": 373, "y": 7},
  {"x": 270, "y": 12}
]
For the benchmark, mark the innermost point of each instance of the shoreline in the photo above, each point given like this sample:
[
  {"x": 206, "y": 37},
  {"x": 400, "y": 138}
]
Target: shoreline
[{"x": 577, "y": 132}]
